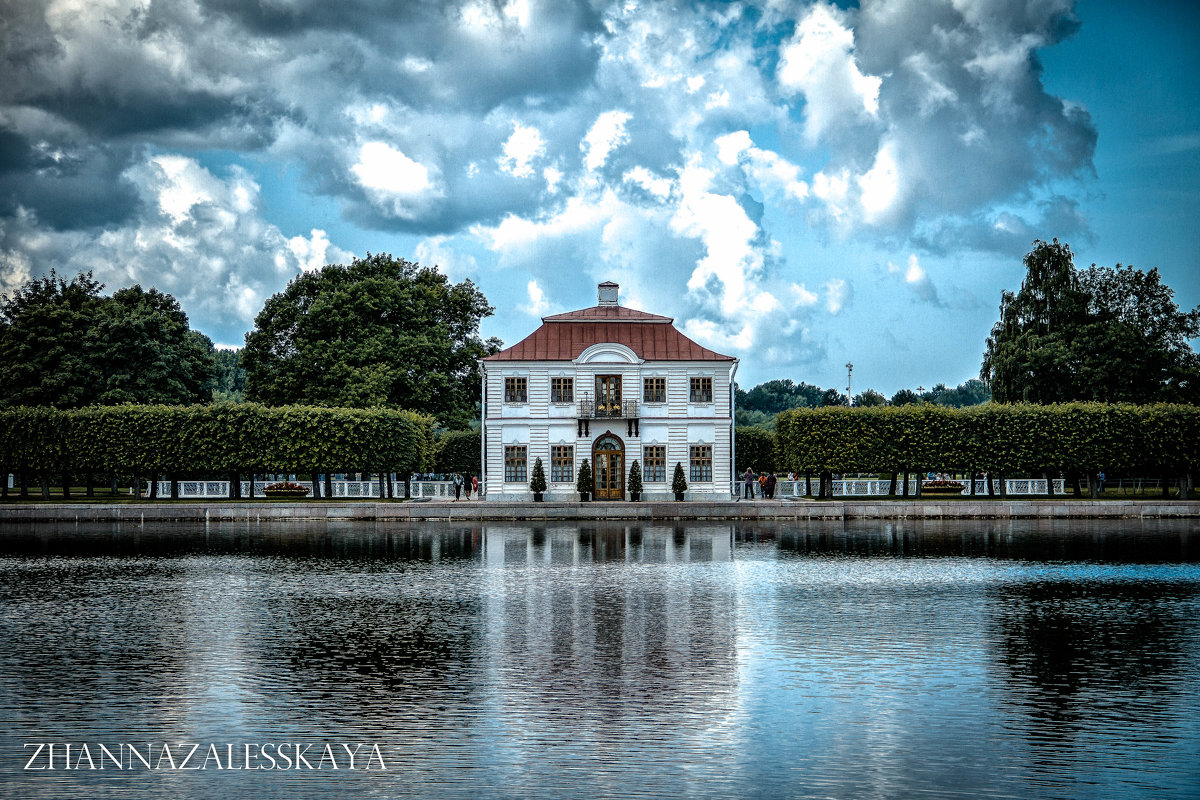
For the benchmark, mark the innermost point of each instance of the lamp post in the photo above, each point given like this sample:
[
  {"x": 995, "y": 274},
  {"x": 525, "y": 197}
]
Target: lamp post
[{"x": 849, "y": 373}]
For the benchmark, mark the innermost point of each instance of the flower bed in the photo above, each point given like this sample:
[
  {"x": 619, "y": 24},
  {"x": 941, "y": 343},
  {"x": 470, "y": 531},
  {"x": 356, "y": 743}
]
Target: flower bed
[
  {"x": 942, "y": 487},
  {"x": 285, "y": 489}
]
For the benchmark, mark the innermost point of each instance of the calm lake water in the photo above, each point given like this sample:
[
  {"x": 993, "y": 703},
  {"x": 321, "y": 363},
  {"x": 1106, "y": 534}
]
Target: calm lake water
[{"x": 872, "y": 660}]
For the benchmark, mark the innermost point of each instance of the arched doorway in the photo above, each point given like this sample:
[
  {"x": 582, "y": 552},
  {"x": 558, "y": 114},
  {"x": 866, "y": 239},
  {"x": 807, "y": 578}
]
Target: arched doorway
[{"x": 608, "y": 454}]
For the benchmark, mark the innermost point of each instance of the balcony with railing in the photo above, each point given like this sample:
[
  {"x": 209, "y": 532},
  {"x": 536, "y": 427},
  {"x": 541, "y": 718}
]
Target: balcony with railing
[{"x": 588, "y": 410}]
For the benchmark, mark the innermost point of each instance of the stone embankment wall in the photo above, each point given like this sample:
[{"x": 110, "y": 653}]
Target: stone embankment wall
[{"x": 480, "y": 512}]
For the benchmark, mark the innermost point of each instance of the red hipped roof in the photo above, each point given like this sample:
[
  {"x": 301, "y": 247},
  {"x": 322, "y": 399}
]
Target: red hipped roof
[{"x": 562, "y": 337}]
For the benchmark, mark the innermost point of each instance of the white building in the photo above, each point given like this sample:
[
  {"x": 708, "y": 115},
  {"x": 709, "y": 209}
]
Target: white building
[{"x": 611, "y": 385}]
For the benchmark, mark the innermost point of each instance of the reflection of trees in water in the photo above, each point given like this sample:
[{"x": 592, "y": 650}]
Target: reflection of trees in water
[
  {"x": 1070, "y": 651},
  {"x": 365, "y": 539},
  {"x": 91, "y": 647},
  {"x": 1111, "y": 541}
]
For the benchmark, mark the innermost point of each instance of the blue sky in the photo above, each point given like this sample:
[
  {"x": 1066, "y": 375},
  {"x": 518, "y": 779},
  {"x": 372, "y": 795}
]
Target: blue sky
[{"x": 799, "y": 184}]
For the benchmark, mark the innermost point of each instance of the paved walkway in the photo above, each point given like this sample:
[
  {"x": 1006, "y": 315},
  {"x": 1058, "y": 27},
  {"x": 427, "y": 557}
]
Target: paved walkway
[{"x": 476, "y": 511}]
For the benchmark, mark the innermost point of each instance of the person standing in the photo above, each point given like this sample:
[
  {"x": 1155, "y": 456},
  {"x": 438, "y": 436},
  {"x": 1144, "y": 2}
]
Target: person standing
[
  {"x": 771, "y": 481},
  {"x": 749, "y": 479},
  {"x": 467, "y": 487},
  {"x": 458, "y": 484},
  {"x": 475, "y": 485}
]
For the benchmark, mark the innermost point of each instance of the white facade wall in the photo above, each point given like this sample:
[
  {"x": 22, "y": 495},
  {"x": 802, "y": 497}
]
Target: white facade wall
[{"x": 538, "y": 424}]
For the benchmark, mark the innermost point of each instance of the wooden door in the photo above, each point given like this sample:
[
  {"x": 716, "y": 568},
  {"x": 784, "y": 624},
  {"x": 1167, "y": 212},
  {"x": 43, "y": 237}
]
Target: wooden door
[{"x": 608, "y": 455}]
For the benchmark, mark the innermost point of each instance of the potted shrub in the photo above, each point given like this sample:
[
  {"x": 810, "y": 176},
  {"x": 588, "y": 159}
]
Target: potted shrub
[
  {"x": 538, "y": 483},
  {"x": 583, "y": 483},
  {"x": 678, "y": 483},
  {"x": 635, "y": 481},
  {"x": 285, "y": 489}
]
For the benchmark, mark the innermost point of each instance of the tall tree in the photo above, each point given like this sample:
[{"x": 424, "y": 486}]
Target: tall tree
[
  {"x": 44, "y": 327},
  {"x": 1032, "y": 353},
  {"x": 66, "y": 345},
  {"x": 146, "y": 353},
  {"x": 1106, "y": 335},
  {"x": 1143, "y": 335},
  {"x": 379, "y": 332},
  {"x": 229, "y": 378}
]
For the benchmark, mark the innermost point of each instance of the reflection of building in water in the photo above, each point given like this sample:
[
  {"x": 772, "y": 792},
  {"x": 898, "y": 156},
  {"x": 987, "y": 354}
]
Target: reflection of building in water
[
  {"x": 574, "y": 544},
  {"x": 617, "y": 623}
]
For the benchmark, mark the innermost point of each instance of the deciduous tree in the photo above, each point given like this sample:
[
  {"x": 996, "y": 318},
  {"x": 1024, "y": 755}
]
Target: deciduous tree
[
  {"x": 379, "y": 332},
  {"x": 67, "y": 346},
  {"x": 1109, "y": 335}
]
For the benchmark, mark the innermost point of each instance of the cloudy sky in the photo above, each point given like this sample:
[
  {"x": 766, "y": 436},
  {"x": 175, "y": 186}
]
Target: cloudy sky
[{"x": 799, "y": 184}]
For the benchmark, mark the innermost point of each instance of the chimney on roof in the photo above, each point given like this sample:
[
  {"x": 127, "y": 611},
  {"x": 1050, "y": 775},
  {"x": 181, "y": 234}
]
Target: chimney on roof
[{"x": 608, "y": 293}]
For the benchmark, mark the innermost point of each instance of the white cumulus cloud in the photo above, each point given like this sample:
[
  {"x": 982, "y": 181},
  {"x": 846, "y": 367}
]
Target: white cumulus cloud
[
  {"x": 819, "y": 62},
  {"x": 525, "y": 145},
  {"x": 606, "y": 134}
]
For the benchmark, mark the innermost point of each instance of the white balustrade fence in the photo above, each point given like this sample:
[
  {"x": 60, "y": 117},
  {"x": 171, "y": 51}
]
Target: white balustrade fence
[
  {"x": 859, "y": 487},
  {"x": 872, "y": 487},
  {"x": 189, "y": 490}
]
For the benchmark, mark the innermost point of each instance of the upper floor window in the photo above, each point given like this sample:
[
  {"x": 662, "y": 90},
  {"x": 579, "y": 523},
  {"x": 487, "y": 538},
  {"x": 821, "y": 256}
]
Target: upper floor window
[
  {"x": 654, "y": 390},
  {"x": 562, "y": 390},
  {"x": 701, "y": 390},
  {"x": 516, "y": 390}
]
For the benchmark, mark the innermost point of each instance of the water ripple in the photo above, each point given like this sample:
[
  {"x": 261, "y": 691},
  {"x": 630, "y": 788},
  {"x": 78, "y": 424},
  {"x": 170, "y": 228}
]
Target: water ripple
[{"x": 945, "y": 660}]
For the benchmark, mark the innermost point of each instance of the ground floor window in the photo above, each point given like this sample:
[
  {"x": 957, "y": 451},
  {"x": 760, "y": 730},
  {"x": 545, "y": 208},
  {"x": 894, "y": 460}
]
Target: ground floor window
[
  {"x": 562, "y": 463},
  {"x": 514, "y": 463},
  {"x": 654, "y": 467},
  {"x": 701, "y": 471}
]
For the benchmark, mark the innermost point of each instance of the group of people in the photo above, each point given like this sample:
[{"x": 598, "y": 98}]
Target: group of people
[
  {"x": 469, "y": 483},
  {"x": 766, "y": 484}
]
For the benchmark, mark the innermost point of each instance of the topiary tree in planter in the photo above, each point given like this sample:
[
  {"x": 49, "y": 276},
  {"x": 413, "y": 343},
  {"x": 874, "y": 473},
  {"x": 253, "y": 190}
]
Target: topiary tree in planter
[
  {"x": 537, "y": 484},
  {"x": 678, "y": 482},
  {"x": 583, "y": 483},
  {"x": 635, "y": 481}
]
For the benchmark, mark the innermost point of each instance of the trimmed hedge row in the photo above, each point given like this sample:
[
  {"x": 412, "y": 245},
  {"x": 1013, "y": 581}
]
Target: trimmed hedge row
[
  {"x": 458, "y": 451},
  {"x": 755, "y": 449},
  {"x": 215, "y": 439},
  {"x": 997, "y": 438}
]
